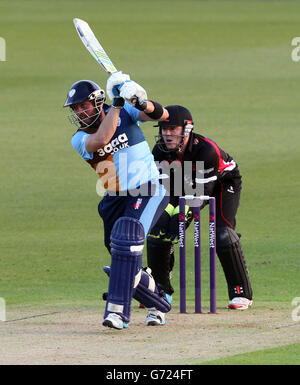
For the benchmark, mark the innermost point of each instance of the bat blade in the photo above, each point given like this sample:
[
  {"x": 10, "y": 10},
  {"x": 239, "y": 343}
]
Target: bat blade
[{"x": 93, "y": 46}]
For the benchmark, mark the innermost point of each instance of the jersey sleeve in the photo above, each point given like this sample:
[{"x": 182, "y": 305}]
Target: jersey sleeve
[
  {"x": 209, "y": 172},
  {"x": 155, "y": 152},
  {"x": 133, "y": 112},
  {"x": 78, "y": 142}
]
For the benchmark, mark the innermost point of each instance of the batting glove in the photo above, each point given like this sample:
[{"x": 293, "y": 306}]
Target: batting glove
[
  {"x": 114, "y": 82},
  {"x": 134, "y": 94}
]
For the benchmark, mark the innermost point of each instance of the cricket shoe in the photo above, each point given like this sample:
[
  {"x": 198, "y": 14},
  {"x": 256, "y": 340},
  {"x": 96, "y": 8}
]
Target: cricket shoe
[
  {"x": 115, "y": 321},
  {"x": 240, "y": 303},
  {"x": 155, "y": 317}
]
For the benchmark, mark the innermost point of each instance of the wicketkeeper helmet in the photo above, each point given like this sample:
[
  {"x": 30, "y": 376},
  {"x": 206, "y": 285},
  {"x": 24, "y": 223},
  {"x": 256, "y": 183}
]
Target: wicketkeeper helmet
[{"x": 178, "y": 116}]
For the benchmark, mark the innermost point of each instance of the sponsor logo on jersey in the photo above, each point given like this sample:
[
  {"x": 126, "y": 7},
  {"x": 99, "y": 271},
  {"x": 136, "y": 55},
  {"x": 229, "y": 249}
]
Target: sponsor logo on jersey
[
  {"x": 115, "y": 145},
  {"x": 138, "y": 204},
  {"x": 231, "y": 190}
]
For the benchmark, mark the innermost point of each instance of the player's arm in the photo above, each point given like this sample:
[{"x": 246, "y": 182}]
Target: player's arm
[
  {"x": 105, "y": 131},
  {"x": 153, "y": 111},
  {"x": 109, "y": 123},
  {"x": 209, "y": 174}
]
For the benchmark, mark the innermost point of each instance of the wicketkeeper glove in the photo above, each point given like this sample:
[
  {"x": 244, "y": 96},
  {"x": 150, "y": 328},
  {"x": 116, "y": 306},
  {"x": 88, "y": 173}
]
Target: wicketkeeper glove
[
  {"x": 172, "y": 233},
  {"x": 160, "y": 228}
]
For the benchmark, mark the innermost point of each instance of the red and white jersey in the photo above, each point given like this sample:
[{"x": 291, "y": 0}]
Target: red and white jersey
[{"x": 216, "y": 163}]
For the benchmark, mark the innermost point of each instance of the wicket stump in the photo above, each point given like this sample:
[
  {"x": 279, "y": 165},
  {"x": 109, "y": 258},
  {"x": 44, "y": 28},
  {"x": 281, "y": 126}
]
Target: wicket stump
[{"x": 197, "y": 252}]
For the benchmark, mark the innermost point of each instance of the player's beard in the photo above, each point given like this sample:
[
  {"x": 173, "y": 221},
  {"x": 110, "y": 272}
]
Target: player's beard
[{"x": 88, "y": 121}]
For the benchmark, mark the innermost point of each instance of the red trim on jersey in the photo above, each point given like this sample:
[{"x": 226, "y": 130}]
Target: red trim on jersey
[
  {"x": 221, "y": 207},
  {"x": 222, "y": 164}
]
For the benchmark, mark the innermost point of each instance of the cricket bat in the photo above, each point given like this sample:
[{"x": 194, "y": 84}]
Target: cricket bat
[{"x": 93, "y": 46}]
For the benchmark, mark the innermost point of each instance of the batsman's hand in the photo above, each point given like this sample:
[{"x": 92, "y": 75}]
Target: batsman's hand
[
  {"x": 114, "y": 82},
  {"x": 134, "y": 94}
]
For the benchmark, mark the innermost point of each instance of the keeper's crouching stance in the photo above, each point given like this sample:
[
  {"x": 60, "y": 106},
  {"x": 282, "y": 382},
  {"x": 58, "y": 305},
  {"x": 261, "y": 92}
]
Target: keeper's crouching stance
[
  {"x": 177, "y": 143},
  {"x": 109, "y": 138}
]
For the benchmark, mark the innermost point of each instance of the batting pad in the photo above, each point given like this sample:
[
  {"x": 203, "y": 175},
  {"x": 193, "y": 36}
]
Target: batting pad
[
  {"x": 147, "y": 292},
  {"x": 127, "y": 242}
]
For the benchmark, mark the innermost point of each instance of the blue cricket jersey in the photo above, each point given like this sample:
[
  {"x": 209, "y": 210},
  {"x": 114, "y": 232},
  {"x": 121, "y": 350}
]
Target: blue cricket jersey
[{"x": 126, "y": 162}]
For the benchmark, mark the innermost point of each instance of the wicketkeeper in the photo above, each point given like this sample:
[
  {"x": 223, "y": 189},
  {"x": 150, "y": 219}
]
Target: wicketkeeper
[
  {"x": 178, "y": 143},
  {"x": 110, "y": 140}
]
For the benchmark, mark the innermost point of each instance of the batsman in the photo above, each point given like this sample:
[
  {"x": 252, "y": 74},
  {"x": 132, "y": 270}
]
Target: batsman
[
  {"x": 177, "y": 143},
  {"x": 110, "y": 140}
]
